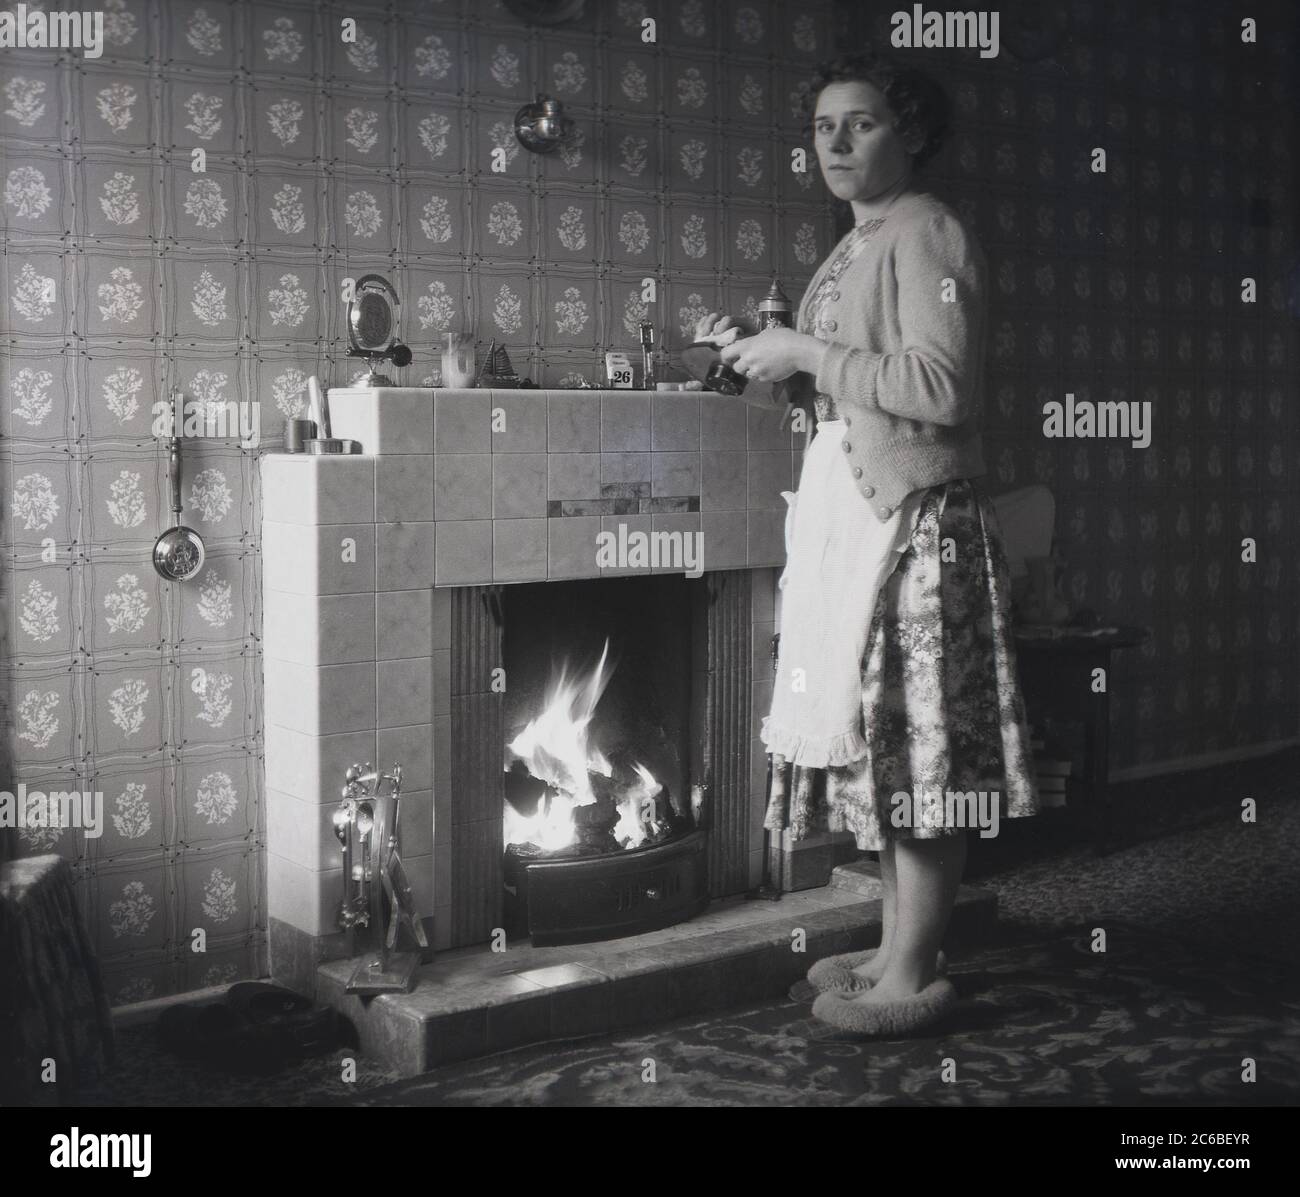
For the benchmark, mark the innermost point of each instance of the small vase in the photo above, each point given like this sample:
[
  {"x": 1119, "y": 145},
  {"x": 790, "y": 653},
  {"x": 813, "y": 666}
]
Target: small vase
[{"x": 458, "y": 361}]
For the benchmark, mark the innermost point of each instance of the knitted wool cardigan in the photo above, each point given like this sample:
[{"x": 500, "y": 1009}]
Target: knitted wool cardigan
[{"x": 906, "y": 325}]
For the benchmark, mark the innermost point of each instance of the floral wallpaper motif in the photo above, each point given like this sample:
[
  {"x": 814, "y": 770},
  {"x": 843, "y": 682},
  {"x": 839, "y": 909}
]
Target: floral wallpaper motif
[
  {"x": 127, "y": 273},
  {"x": 1125, "y": 286}
]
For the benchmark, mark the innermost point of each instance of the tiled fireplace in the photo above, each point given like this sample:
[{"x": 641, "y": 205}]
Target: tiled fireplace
[{"x": 385, "y": 603}]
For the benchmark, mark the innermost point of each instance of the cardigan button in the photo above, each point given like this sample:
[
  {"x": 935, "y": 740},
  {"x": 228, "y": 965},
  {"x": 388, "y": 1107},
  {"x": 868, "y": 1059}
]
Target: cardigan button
[
  {"x": 831, "y": 326},
  {"x": 848, "y": 420},
  {"x": 885, "y": 513},
  {"x": 846, "y": 447},
  {"x": 857, "y": 473},
  {"x": 868, "y": 491},
  {"x": 835, "y": 295}
]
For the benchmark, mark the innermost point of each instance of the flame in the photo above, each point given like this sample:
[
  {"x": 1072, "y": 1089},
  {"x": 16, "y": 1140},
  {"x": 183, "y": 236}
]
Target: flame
[
  {"x": 554, "y": 747},
  {"x": 635, "y": 810}
]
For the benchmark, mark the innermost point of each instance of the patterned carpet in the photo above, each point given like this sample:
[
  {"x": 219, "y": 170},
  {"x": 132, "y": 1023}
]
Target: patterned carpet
[
  {"x": 1191, "y": 868},
  {"x": 1201, "y": 970},
  {"x": 1149, "y": 1022}
]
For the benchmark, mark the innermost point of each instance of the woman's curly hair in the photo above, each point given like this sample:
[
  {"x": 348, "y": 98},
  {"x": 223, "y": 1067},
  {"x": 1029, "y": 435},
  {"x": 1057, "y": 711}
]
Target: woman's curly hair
[{"x": 919, "y": 104}]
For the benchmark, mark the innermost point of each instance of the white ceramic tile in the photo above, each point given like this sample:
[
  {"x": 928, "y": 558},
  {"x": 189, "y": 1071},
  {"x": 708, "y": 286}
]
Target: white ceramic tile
[
  {"x": 404, "y": 489},
  {"x": 404, "y": 556},
  {"x": 573, "y": 548},
  {"x": 519, "y": 422},
  {"x": 462, "y": 421},
  {"x": 462, "y": 486},
  {"x": 685, "y": 547},
  {"x": 301, "y": 897},
  {"x": 724, "y": 545},
  {"x": 288, "y": 557},
  {"x": 405, "y": 692},
  {"x": 441, "y": 619},
  {"x": 302, "y": 832},
  {"x": 519, "y": 550},
  {"x": 634, "y": 525},
  {"x": 675, "y": 421},
  {"x": 334, "y": 559},
  {"x": 410, "y": 747},
  {"x": 441, "y": 682},
  {"x": 463, "y": 553},
  {"x": 763, "y": 594},
  {"x": 403, "y": 624},
  {"x": 286, "y": 489},
  {"x": 298, "y": 488},
  {"x": 320, "y": 700},
  {"x": 354, "y": 415},
  {"x": 328, "y": 630},
  {"x": 415, "y": 825},
  {"x": 313, "y": 768},
  {"x": 386, "y": 420}
]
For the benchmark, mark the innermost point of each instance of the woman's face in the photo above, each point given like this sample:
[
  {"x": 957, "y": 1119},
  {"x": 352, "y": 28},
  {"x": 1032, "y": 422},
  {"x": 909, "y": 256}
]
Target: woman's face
[{"x": 861, "y": 155}]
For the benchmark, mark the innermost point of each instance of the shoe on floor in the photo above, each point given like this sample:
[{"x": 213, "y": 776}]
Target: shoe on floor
[
  {"x": 835, "y": 974},
  {"x": 891, "y": 1019}
]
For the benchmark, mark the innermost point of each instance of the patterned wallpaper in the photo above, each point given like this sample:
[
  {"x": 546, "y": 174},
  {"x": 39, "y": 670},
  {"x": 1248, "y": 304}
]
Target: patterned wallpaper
[
  {"x": 127, "y": 274},
  {"x": 1126, "y": 286}
]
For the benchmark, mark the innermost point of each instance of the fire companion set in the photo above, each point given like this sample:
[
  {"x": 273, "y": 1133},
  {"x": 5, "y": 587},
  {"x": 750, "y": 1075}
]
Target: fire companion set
[{"x": 365, "y": 825}]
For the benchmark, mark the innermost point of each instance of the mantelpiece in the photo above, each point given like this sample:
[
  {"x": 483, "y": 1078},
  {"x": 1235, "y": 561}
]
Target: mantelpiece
[
  {"x": 374, "y": 567},
  {"x": 518, "y": 483}
]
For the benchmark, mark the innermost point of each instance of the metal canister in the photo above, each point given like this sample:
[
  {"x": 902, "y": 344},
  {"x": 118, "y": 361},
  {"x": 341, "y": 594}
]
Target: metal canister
[
  {"x": 775, "y": 309},
  {"x": 296, "y": 433}
]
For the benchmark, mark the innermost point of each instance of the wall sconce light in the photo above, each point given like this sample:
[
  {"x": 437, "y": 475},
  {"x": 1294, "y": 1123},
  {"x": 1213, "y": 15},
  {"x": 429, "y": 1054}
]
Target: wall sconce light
[{"x": 542, "y": 126}]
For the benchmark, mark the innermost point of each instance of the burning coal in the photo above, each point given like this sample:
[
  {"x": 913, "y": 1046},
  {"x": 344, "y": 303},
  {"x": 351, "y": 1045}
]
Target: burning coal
[{"x": 585, "y": 803}]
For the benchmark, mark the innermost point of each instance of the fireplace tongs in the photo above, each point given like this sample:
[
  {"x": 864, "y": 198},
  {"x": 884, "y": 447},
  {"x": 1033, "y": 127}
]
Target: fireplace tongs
[{"x": 386, "y": 971}]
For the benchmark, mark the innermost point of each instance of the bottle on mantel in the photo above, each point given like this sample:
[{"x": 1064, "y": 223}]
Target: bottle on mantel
[{"x": 774, "y": 311}]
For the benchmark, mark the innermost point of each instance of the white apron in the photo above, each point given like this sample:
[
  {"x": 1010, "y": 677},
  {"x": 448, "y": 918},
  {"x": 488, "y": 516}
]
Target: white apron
[{"x": 838, "y": 556}]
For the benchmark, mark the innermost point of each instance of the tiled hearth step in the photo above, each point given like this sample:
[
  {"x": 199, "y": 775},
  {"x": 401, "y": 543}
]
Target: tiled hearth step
[{"x": 471, "y": 1001}]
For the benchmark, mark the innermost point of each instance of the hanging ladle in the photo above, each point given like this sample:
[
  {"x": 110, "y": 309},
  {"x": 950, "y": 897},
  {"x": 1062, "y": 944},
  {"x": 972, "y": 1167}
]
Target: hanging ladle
[{"x": 178, "y": 553}]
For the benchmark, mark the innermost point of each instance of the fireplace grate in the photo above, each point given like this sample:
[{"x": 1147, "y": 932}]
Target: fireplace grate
[{"x": 582, "y": 899}]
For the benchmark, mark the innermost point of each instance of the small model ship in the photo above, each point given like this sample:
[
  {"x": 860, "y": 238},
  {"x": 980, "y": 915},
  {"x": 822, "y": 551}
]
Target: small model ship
[{"x": 497, "y": 371}]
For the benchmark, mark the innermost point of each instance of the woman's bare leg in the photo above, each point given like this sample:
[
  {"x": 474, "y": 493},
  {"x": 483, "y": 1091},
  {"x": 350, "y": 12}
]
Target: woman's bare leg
[
  {"x": 928, "y": 874},
  {"x": 874, "y": 968}
]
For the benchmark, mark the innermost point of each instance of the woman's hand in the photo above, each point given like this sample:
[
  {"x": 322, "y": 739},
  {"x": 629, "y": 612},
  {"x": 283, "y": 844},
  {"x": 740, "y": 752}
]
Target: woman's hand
[
  {"x": 775, "y": 354},
  {"x": 722, "y": 330}
]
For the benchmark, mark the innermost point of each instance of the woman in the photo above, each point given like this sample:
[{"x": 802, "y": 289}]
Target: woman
[{"x": 897, "y": 673}]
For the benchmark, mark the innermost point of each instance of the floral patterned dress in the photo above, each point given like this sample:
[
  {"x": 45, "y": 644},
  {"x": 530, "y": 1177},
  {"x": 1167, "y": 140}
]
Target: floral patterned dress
[{"x": 941, "y": 702}]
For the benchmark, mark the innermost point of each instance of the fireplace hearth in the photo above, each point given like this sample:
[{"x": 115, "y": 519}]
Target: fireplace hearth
[
  {"x": 391, "y": 541},
  {"x": 603, "y": 816}
]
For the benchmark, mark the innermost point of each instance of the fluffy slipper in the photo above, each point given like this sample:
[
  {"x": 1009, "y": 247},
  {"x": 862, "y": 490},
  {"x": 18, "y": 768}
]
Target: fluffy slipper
[
  {"x": 892, "y": 1019},
  {"x": 835, "y": 974}
]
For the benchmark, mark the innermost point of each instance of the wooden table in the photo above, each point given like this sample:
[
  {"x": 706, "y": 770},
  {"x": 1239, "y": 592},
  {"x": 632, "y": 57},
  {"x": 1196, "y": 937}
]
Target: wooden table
[{"x": 1056, "y": 676}]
